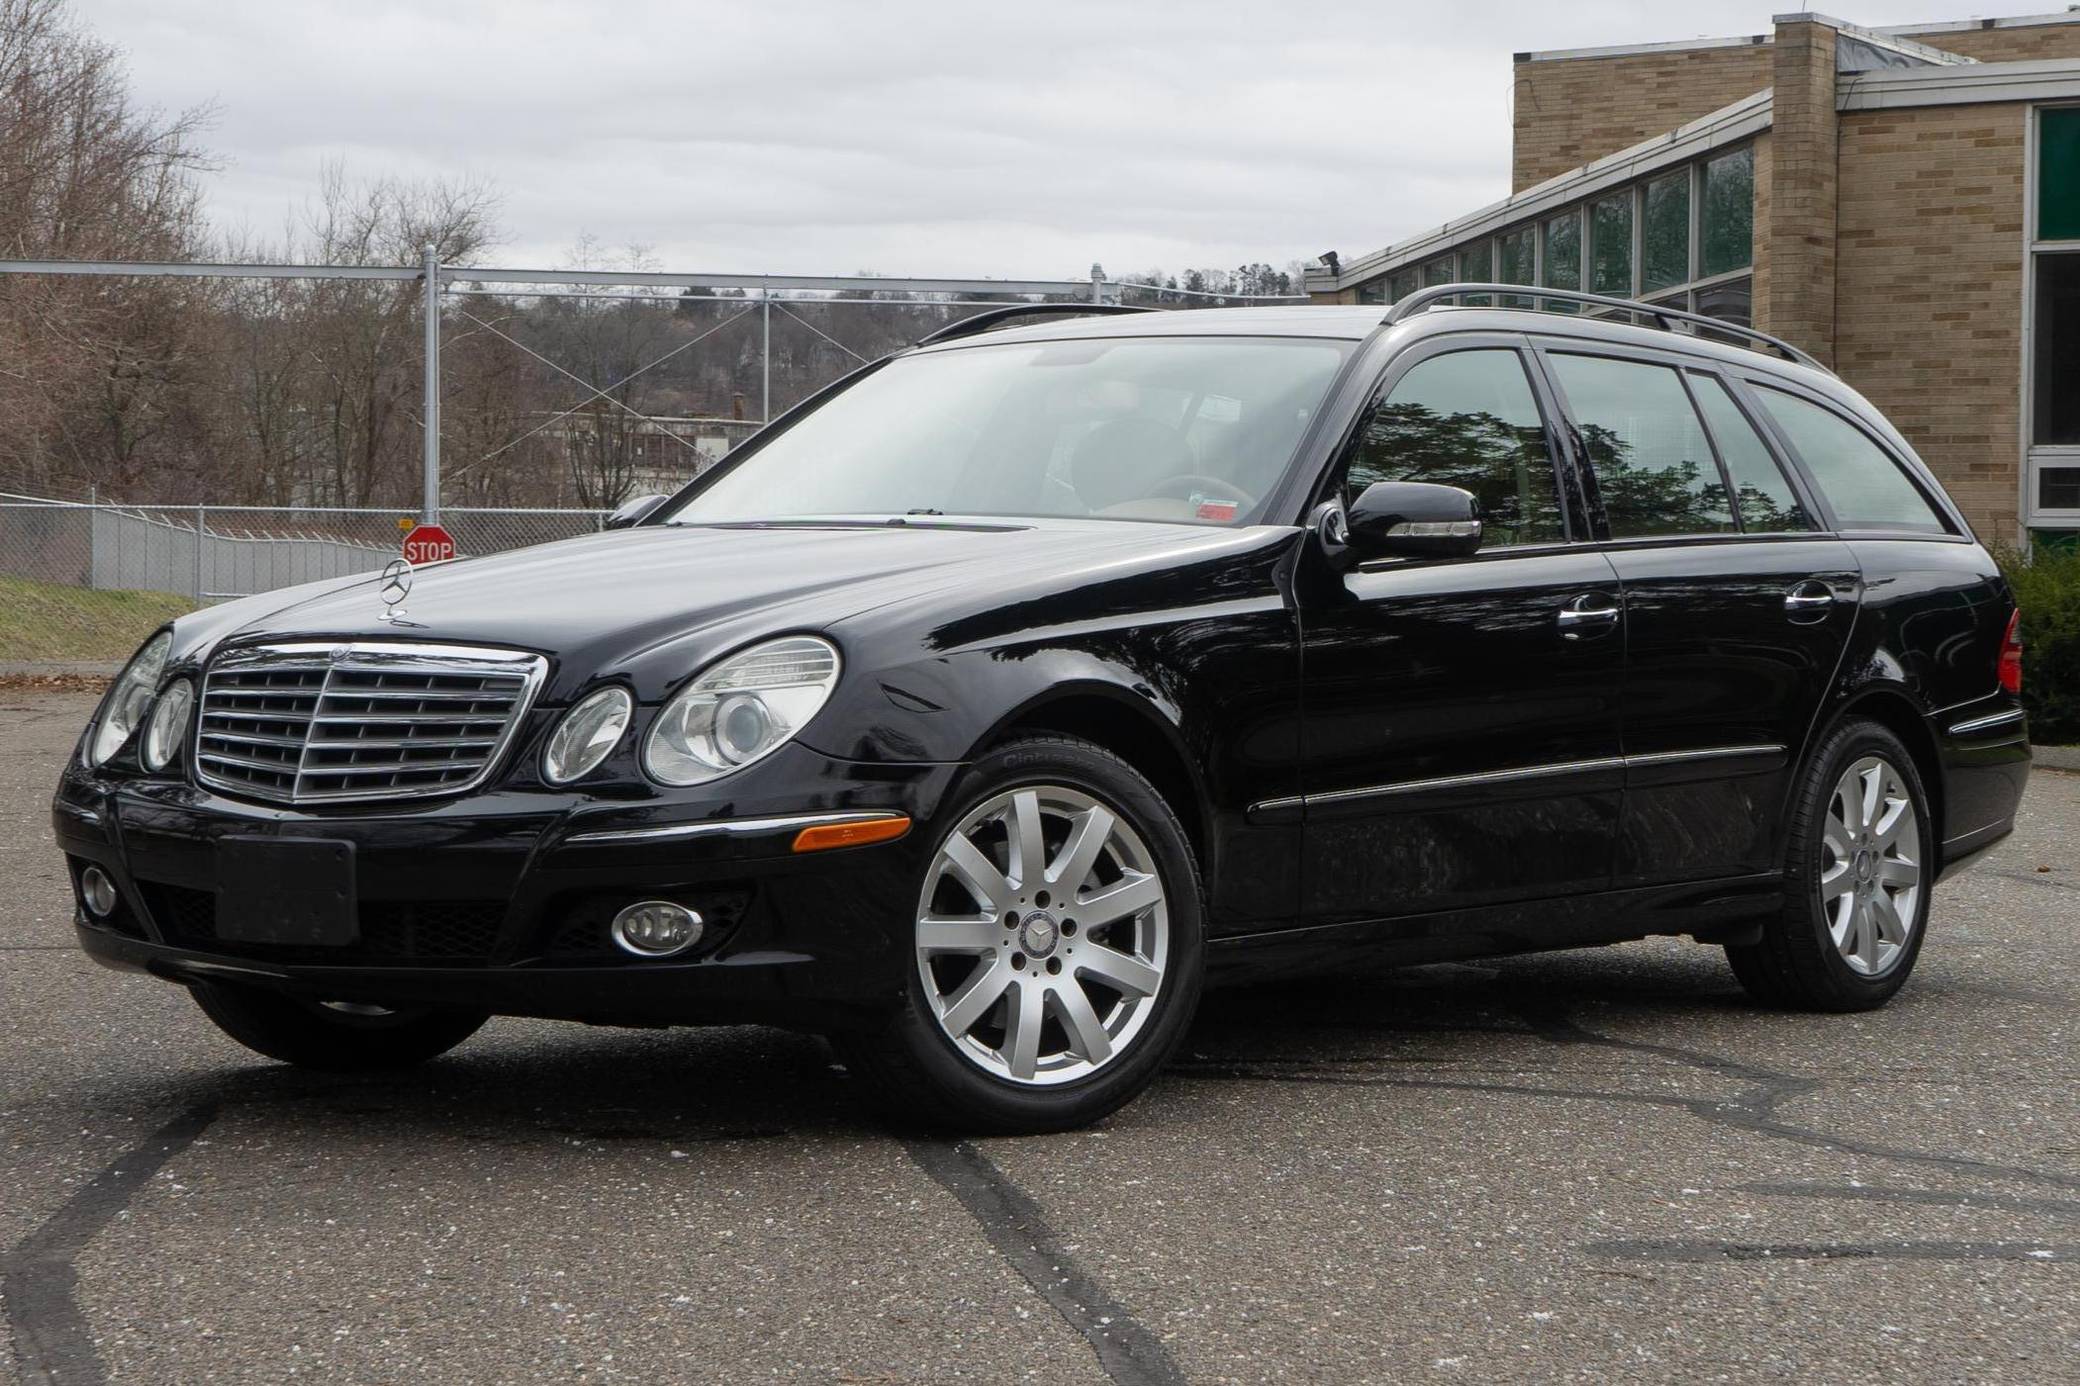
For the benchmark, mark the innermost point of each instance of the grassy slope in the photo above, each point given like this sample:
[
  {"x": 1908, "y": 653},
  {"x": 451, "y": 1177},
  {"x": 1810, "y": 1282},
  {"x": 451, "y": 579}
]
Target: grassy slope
[{"x": 40, "y": 621}]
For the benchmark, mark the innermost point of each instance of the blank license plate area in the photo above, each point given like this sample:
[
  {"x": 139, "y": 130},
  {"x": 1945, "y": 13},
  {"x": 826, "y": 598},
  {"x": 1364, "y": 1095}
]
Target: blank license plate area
[{"x": 291, "y": 890}]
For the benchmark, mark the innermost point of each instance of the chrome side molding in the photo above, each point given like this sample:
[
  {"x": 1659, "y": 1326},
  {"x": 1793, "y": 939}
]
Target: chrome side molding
[
  {"x": 1988, "y": 723},
  {"x": 1529, "y": 772}
]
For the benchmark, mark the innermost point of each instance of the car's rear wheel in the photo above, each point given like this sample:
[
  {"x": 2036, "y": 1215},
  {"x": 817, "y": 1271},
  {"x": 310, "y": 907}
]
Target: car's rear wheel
[
  {"x": 1858, "y": 875},
  {"x": 1056, "y": 953},
  {"x": 339, "y": 1036}
]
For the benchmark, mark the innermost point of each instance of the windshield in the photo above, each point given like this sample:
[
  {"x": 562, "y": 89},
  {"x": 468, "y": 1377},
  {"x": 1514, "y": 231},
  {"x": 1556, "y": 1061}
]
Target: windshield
[{"x": 1190, "y": 429}]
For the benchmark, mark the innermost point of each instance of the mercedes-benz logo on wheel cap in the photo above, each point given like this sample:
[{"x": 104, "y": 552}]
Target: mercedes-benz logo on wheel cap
[{"x": 397, "y": 582}]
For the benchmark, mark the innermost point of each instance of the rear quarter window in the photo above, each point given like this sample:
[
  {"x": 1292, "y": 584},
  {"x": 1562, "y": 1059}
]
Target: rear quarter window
[{"x": 1863, "y": 485}]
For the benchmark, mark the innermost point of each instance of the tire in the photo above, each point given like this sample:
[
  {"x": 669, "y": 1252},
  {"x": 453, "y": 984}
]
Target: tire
[
  {"x": 313, "y": 1034},
  {"x": 1798, "y": 964},
  {"x": 950, "y": 1061}
]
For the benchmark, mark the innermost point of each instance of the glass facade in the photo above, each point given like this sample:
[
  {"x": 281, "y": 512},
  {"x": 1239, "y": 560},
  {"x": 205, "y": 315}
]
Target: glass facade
[
  {"x": 1728, "y": 218},
  {"x": 1665, "y": 238},
  {"x": 1563, "y": 252},
  {"x": 1610, "y": 246},
  {"x": 1682, "y": 238}
]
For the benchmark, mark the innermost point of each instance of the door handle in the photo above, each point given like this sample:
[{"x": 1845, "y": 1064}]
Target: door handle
[
  {"x": 1592, "y": 613},
  {"x": 1808, "y": 600}
]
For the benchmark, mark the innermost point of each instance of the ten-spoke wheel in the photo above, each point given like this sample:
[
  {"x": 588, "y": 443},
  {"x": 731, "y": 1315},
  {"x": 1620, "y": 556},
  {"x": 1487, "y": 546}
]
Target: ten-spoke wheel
[
  {"x": 1870, "y": 878},
  {"x": 1857, "y": 870},
  {"x": 1056, "y": 947},
  {"x": 1042, "y": 934}
]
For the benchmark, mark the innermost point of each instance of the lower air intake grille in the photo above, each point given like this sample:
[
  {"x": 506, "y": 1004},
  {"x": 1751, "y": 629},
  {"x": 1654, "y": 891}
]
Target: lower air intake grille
[
  {"x": 454, "y": 932},
  {"x": 314, "y": 722}
]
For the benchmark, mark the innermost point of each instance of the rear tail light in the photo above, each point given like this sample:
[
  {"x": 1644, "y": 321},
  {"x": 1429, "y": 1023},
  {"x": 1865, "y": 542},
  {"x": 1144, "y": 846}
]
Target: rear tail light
[{"x": 2011, "y": 655}]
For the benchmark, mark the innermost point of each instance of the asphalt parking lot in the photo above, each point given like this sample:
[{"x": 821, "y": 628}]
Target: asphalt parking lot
[{"x": 1603, "y": 1165}]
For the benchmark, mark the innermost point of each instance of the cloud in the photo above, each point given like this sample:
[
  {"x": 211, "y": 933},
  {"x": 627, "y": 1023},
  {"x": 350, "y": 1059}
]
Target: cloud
[{"x": 897, "y": 136}]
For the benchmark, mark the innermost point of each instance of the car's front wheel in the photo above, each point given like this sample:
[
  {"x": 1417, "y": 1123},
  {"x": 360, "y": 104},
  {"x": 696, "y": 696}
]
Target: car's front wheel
[
  {"x": 338, "y": 1036},
  {"x": 1056, "y": 948},
  {"x": 1860, "y": 864}
]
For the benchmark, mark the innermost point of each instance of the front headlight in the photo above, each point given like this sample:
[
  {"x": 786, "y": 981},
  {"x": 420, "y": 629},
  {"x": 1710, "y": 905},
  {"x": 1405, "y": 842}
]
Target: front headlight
[
  {"x": 585, "y": 735},
  {"x": 168, "y": 728},
  {"x": 128, "y": 700},
  {"x": 741, "y": 709}
]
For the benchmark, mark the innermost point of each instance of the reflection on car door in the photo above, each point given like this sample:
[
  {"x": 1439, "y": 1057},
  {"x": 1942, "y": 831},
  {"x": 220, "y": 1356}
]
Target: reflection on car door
[
  {"x": 1737, "y": 609},
  {"x": 1461, "y": 732}
]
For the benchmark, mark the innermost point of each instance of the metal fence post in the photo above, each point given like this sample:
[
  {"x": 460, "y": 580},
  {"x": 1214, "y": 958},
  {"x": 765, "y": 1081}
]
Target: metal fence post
[
  {"x": 431, "y": 410},
  {"x": 765, "y": 357},
  {"x": 201, "y": 525}
]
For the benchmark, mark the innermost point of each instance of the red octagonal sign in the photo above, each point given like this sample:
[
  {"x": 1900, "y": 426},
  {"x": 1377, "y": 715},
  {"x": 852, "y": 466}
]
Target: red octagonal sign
[{"x": 428, "y": 544}]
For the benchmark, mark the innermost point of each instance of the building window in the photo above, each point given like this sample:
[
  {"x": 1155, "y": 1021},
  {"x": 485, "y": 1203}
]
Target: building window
[
  {"x": 1665, "y": 237},
  {"x": 1373, "y": 292},
  {"x": 1477, "y": 266},
  {"x": 1403, "y": 285},
  {"x": 1610, "y": 246},
  {"x": 2058, "y": 174},
  {"x": 1731, "y": 300},
  {"x": 2055, "y": 382},
  {"x": 1517, "y": 261},
  {"x": 1728, "y": 213},
  {"x": 1563, "y": 260},
  {"x": 1438, "y": 271},
  {"x": 2051, "y": 481}
]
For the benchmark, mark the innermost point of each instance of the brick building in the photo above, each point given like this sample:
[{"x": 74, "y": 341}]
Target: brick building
[{"x": 1903, "y": 203}]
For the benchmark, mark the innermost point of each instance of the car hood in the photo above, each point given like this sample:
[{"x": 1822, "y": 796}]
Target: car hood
[{"x": 657, "y": 602}]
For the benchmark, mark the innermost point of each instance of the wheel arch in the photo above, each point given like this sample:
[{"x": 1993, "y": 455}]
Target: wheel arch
[
  {"x": 1895, "y": 709},
  {"x": 1121, "y": 723}
]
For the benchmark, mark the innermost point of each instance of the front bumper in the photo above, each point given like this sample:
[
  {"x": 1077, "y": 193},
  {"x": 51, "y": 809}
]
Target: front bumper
[{"x": 500, "y": 901}]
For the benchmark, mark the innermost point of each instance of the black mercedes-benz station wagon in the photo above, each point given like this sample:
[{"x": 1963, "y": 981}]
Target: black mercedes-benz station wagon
[{"x": 993, "y": 701}]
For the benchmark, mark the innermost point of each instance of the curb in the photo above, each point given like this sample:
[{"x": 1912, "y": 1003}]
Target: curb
[{"x": 2056, "y": 757}]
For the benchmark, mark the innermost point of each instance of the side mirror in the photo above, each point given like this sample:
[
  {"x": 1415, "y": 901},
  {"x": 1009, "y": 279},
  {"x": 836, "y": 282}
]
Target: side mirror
[
  {"x": 632, "y": 512},
  {"x": 1414, "y": 519}
]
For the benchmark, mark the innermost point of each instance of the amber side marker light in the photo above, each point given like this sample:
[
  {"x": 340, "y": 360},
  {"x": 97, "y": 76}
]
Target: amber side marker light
[{"x": 825, "y": 836}]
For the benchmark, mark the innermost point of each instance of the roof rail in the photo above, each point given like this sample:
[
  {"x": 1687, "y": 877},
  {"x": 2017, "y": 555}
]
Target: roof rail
[
  {"x": 984, "y": 321},
  {"x": 1664, "y": 318}
]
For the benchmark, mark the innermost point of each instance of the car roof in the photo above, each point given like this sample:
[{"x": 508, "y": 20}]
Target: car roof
[
  {"x": 1284, "y": 320},
  {"x": 1354, "y": 322}
]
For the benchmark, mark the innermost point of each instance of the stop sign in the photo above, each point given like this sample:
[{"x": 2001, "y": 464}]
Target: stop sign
[{"x": 428, "y": 544}]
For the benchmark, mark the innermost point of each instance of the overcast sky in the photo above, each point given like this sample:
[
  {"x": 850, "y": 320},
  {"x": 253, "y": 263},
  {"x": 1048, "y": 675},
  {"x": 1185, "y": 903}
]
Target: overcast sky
[{"x": 896, "y": 136}]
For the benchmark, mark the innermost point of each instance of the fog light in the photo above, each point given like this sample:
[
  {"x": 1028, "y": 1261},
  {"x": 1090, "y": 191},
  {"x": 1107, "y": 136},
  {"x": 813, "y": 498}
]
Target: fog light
[
  {"x": 99, "y": 891},
  {"x": 657, "y": 929}
]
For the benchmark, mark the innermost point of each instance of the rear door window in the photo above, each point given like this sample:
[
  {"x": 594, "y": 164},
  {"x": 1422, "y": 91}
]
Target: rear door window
[
  {"x": 1654, "y": 464},
  {"x": 1861, "y": 482},
  {"x": 1761, "y": 492}
]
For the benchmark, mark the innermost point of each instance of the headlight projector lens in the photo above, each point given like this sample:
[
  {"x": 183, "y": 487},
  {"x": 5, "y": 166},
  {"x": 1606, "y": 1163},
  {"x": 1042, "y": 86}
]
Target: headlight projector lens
[{"x": 657, "y": 929}]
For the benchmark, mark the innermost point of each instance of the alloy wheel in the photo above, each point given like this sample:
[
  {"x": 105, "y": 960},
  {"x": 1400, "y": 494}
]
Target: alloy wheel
[
  {"x": 1870, "y": 869},
  {"x": 1043, "y": 931}
]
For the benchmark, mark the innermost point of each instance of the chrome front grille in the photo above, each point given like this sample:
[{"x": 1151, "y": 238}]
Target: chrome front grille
[{"x": 318, "y": 722}]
